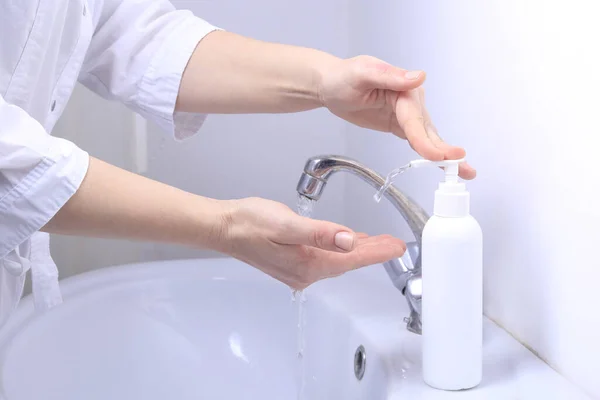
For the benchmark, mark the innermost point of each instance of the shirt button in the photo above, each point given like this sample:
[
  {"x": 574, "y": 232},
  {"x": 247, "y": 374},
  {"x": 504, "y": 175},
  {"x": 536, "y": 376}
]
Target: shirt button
[{"x": 53, "y": 105}]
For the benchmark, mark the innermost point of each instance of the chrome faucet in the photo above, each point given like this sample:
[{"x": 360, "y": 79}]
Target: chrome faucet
[{"x": 404, "y": 272}]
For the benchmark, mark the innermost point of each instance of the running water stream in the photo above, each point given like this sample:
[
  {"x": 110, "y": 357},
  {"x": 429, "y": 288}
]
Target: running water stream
[{"x": 304, "y": 208}]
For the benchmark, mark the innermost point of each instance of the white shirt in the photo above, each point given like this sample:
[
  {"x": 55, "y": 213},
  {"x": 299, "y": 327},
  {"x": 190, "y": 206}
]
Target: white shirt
[{"x": 133, "y": 51}]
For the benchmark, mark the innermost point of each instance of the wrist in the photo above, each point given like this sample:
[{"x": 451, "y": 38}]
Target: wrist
[
  {"x": 201, "y": 223},
  {"x": 323, "y": 64},
  {"x": 218, "y": 234}
]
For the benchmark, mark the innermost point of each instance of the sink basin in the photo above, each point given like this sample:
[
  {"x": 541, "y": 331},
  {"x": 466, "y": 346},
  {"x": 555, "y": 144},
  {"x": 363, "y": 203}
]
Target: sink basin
[{"x": 219, "y": 329}]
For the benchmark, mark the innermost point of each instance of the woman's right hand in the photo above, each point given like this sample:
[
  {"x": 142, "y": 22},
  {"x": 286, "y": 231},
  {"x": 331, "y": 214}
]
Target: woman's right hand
[{"x": 295, "y": 250}]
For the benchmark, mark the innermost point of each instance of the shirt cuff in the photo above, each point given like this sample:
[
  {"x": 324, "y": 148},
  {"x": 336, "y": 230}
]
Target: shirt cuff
[
  {"x": 41, "y": 194},
  {"x": 160, "y": 85}
]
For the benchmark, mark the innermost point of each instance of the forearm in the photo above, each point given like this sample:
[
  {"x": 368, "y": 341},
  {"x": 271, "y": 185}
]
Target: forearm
[
  {"x": 115, "y": 203},
  {"x": 228, "y": 73}
]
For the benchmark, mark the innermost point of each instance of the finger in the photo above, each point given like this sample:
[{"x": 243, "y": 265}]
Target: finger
[
  {"x": 465, "y": 171},
  {"x": 396, "y": 130},
  {"x": 377, "y": 74},
  {"x": 450, "y": 152},
  {"x": 315, "y": 233},
  {"x": 412, "y": 122},
  {"x": 369, "y": 251}
]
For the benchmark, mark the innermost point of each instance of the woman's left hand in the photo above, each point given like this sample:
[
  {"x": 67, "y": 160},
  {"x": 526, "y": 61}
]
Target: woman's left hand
[
  {"x": 375, "y": 95},
  {"x": 295, "y": 250}
]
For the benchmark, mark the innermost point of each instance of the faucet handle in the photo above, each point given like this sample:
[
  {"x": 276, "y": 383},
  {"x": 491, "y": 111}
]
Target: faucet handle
[
  {"x": 405, "y": 274},
  {"x": 400, "y": 269},
  {"x": 414, "y": 294},
  {"x": 413, "y": 323}
]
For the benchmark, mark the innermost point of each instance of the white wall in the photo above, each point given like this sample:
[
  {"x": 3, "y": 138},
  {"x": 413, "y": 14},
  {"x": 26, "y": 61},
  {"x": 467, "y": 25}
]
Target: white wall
[
  {"x": 233, "y": 156},
  {"x": 517, "y": 84}
]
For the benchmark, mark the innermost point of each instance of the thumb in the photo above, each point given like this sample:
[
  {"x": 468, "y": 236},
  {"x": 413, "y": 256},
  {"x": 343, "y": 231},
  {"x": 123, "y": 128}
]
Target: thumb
[
  {"x": 381, "y": 75},
  {"x": 321, "y": 234}
]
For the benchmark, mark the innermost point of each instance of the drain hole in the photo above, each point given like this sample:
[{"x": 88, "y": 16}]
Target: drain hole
[{"x": 360, "y": 362}]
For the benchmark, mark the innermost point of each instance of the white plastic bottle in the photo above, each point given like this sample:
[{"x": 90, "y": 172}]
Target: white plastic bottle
[{"x": 452, "y": 289}]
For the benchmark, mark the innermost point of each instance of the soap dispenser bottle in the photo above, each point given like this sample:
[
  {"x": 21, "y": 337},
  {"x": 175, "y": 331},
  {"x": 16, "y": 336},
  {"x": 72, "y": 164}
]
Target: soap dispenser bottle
[{"x": 452, "y": 304}]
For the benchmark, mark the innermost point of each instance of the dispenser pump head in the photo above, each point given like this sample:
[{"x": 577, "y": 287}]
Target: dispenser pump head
[
  {"x": 450, "y": 167},
  {"x": 451, "y": 198}
]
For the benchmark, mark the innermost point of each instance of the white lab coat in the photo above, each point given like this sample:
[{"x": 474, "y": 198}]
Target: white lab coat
[{"x": 133, "y": 51}]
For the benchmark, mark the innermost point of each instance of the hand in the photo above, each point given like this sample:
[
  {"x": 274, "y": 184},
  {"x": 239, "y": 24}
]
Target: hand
[
  {"x": 295, "y": 250},
  {"x": 375, "y": 95}
]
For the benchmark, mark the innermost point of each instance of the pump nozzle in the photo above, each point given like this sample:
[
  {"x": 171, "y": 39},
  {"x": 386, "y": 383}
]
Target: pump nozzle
[{"x": 450, "y": 167}]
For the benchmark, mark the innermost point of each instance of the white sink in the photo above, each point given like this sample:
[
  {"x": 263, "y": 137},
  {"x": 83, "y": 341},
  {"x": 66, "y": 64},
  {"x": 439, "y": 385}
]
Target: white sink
[{"x": 218, "y": 329}]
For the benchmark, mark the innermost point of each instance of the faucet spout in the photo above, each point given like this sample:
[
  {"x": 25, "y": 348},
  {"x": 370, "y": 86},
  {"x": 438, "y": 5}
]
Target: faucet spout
[
  {"x": 404, "y": 272},
  {"x": 318, "y": 170}
]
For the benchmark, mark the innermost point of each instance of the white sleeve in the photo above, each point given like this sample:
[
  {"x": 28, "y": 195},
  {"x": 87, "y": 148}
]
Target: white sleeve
[
  {"x": 138, "y": 54},
  {"x": 38, "y": 175}
]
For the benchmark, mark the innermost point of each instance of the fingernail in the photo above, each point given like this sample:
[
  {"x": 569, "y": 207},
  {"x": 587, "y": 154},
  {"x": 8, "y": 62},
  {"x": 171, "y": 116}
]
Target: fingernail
[
  {"x": 344, "y": 241},
  {"x": 412, "y": 75}
]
